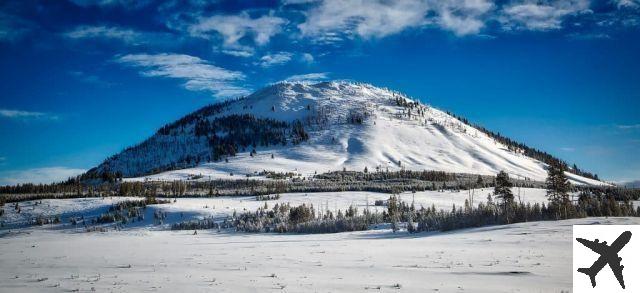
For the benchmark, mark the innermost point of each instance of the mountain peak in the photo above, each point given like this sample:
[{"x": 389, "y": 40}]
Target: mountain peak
[{"x": 311, "y": 128}]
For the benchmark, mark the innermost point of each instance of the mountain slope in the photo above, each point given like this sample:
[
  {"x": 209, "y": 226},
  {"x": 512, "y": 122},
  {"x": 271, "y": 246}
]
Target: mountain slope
[{"x": 309, "y": 128}]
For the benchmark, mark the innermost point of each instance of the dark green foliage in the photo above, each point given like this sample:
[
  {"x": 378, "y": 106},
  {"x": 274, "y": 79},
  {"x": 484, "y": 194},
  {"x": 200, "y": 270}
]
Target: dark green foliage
[
  {"x": 301, "y": 214},
  {"x": 502, "y": 189},
  {"x": 242, "y": 131},
  {"x": 183, "y": 144},
  {"x": 268, "y": 197},
  {"x": 41, "y": 220},
  {"x": 128, "y": 211},
  {"x": 283, "y": 218},
  {"x": 558, "y": 187},
  {"x": 491, "y": 214},
  {"x": 438, "y": 176}
]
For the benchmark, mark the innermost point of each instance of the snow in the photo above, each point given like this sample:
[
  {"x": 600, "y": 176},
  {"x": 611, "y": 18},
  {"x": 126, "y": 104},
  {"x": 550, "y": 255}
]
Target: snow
[
  {"x": 184, "y": 209},
  {"x": 388, "y": 139},
  {"x": 142, "y": 256},
  {"x": 222, "y": 207},
  {"x": 524, "y": 257},
  {"x": 65, "y": 208}
]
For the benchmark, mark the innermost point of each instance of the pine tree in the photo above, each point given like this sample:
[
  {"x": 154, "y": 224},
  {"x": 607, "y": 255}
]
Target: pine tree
[
  {"x": 502, "y": 189},
  {"x": 558, "y": 187}
]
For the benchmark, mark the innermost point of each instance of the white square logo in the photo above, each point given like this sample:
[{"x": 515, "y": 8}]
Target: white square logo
[{"x": 606, "y": 258}]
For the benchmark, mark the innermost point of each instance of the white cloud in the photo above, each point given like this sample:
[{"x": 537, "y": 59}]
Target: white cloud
[
  {"x": 378, "y": 18},
  {"x": 364, "y": 18},
  {"x": 629, "y": 126},
  {"x": 38, "y": 175},
  {"x": 244, "y": 52},
  {"x": 309, "y": 77},
  {"x": 307, "y": 58},
  {"x": 82, "y": 32},
  {"x": 463, "y": 17},
  {"x": 330, "y": 21},
  {"x": 125, "y": 35},
  {"x": 232, "y": 28},
  {"x": 19, "y": 114},
  {"x": 540, "y": 15},
  {"x": 275, "y": 59},
  {"x": 198, "y": 74},
  {"x": 627, "y": 3},
  {"x": 567, "y": 149}
]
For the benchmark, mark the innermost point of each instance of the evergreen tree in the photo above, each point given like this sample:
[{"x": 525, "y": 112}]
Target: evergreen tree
[
  {"x": 502, "y": 189},
  {"x": 558, "y": 187}
]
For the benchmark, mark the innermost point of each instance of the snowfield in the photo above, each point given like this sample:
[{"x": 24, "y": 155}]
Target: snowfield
[
  {"x": 525, "y": 257},
  {"x": 64, "y": 208},
  {"x": 184, "y": 209},
  {"x": 391, "y": 137},
  {"x": 146, "y": 256}
]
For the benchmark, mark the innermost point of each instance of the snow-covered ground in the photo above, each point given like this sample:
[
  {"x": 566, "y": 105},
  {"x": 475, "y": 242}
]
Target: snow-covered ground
[
  {"x": 391, "y": 137},
  {"x": 65, "y": 208},
  {"x": 184, "y": 209},
  {"x": 525, "y": 257}
]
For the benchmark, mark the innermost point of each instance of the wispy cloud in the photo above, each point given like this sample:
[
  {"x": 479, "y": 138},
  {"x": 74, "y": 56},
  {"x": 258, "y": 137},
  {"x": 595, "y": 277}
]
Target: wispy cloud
[
  {"x": 330, "y": 21},
  {"x": 125, "y": 35},
  {"x": 13, "y": 27},
  {"x": 243, "y": 52},
  {"x": 628, "y": 126},
  {"x": 363, "y": 18},
  {"x": 589, "y": 36},
  {"x": 199, "y": 75},
  {"x": 83, "y": 32},
  {"x": 627, "y": 3},
  {"x": 540, "y": 15},
  {"x": 307, "y": 58},
  {"x": 25, "y": 115},
  {"x": 38, "y": 175},
  {"x": 275, "y": 59},
  {"x": 377, "y": 18},
  {"x": 309, "y": 77},
  {"x": 127, "y": 4},
  {"x": 233, "y": 28},
  {"x": 463, "y": 17},
  {"x": 567, "y": 149},
  {"x": 90, "y": 78}
]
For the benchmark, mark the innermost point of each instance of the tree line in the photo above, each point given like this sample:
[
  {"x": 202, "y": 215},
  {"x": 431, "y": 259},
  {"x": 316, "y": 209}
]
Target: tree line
[{"x": 500, "y": 208}]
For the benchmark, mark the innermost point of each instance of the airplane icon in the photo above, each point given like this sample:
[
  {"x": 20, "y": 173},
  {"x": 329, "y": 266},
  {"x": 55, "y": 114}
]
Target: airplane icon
[{"x": 608, "y": 255}]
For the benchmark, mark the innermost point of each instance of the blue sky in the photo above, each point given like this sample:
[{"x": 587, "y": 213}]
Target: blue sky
[{"x": 83, "y": 79}]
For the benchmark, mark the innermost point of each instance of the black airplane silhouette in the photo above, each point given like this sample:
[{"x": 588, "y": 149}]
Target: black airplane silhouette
[{"x": 608, "y": 255}]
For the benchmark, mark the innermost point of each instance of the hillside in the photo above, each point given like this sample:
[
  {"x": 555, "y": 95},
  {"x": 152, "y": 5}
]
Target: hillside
[{"x": 316, "y": 128}]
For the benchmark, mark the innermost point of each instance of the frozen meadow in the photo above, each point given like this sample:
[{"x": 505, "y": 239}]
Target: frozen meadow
[
  {"x": 525, "y": 257},
  {"x": 184, "y": 209},
  {"x": 143, "y": 256}
]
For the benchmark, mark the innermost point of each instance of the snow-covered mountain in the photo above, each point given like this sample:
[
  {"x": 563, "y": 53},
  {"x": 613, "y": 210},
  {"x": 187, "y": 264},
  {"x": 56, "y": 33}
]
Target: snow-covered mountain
[{"x": 315, "y": 128}]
